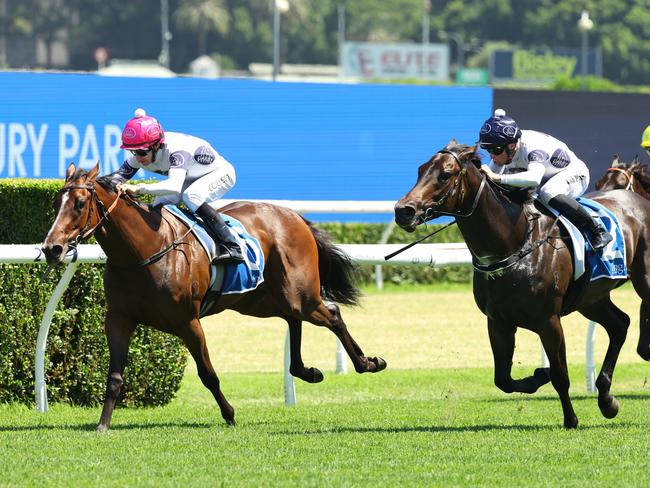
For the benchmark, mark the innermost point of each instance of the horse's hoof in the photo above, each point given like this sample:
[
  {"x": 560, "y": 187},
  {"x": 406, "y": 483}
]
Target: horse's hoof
[
  {"x": 314, "y": 375},
  {"x": 231, "y": 422},
  {"x": 644, "y": 353},
  {"x": 102, "y": 428},
  {"x": 571, "y": 423},
  {"x": 380, "y": 364},
  {"x": 609, "y": 407}
]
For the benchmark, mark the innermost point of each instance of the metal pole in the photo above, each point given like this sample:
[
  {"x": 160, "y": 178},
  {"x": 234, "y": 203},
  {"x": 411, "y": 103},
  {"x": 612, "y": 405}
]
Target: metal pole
[
  {"x": 276, "y": 40},
  {"x": 164, "y": 32},
  {"x": 40, "y": 387},
  {"x": 425, "y": 28},
  {"x": 341, "y": 35},
  {"x": 585, "y": 58}
]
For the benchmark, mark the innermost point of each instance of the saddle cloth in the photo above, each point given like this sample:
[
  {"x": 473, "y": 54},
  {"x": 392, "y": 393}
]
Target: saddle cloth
[
  {"x": 610, "y": 261},
  {"x": 231, "y": 277}
]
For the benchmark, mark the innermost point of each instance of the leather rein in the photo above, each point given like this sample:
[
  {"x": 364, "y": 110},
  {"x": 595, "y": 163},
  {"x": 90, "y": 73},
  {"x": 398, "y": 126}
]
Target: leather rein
[
  {"x": 428, "y": 214},
  {"x": 484, "y": 268},
  {"x": 628, "y": 175},
  {"x": 87, "y": 232}
]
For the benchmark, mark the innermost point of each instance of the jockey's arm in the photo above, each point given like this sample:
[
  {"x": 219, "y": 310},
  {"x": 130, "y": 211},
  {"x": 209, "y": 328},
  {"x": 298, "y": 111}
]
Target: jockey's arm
[
  {"x": 124, "y": 173},
  {"x": 531, "y": 178},
  {"x": 173, "y": 185}
]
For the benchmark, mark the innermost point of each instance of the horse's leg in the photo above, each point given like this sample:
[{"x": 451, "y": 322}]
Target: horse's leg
[
  {"x": 194, "y": 340},
  {"x": 118, "y": 331},
  {"x": 502, "y": 341},
  {"x": 616, "y": 323},
  {"x": 552, "y": 337},
  {"x": 641, "y": 283},
  {"x": 328, "y": 315},
  {"x": 297, "y": 368},
  {"x": 643, "y": 346}
]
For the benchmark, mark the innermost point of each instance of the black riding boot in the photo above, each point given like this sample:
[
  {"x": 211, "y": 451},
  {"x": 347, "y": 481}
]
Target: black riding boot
[
  {"x": 228, "y": 250},
  {"x": 571, "y": 209}
]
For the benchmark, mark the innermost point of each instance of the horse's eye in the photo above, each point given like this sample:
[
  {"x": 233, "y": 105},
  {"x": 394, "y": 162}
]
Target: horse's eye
[
  {"x": 80, "y": 204},
  {"x": 444, "y": 176}
]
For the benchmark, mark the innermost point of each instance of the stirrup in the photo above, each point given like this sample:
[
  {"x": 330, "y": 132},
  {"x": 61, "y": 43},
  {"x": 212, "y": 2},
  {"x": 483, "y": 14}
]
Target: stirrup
[
  {"x": 227, "y": 255},
  {"x": 599, "y": 240}
]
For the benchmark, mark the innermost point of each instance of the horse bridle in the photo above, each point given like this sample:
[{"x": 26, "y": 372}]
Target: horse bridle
[
  {"x": 628, "y": 175},
  {"x": 84, "y": 234},
  {"x": 94, "y": 201},
  {"x": 428, "y": 214}
]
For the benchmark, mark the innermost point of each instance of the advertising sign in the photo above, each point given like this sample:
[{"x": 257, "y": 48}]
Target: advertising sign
[
  {"x": 539, "y": 66},
  {"x": 287, "y": 141},
  {"x": 376, "y": 60}
]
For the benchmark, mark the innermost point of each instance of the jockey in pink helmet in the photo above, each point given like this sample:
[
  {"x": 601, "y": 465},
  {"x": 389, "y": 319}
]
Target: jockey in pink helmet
[
  {"x": 196, "y": 174},
  {"x": 142, "y": 132}
]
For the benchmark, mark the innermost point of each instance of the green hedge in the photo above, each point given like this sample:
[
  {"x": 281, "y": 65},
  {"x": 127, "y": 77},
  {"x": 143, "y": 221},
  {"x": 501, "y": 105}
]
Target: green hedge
[{"x": 76, "y": 353}]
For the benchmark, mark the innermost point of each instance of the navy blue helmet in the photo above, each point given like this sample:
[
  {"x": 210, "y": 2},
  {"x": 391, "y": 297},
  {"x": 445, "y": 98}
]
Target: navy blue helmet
[{"x": 499, "y": 130}]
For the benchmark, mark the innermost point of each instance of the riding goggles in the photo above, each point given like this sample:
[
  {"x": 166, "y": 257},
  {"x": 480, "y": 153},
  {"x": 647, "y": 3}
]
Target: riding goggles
[
  {"x": 495, "y": 150},
  {"x": 141, "y": 152}
]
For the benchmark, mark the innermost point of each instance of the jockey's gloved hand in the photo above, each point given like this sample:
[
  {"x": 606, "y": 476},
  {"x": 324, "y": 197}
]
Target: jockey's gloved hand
[
  {"x": 490, "y": 174},
  {"x": 133, "y": 190}
]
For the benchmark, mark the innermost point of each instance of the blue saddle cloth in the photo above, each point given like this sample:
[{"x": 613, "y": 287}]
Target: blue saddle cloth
[
  {"x": 610, "y": 262},
  {"x": 231, "y": 277}
]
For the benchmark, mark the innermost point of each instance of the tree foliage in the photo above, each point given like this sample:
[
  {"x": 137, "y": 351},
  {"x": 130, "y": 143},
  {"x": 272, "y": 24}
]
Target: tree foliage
[{"x": 242, "y": 30}]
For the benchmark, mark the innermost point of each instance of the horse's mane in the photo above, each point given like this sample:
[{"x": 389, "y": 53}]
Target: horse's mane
[{"x": 108, "y": 182}]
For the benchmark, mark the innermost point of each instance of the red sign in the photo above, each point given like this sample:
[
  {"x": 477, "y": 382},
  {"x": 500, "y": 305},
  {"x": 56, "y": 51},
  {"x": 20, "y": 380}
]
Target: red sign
[{"x": 101, "y": 55}]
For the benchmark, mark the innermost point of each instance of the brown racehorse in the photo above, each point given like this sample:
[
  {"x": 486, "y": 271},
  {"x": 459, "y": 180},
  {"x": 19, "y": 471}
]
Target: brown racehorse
[
  {"x": 302, "y": 268},
  {"x": 524, "y": 269},
  {"x": 633, "y": 176}
]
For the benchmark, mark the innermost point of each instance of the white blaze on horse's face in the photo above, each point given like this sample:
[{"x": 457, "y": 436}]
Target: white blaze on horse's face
[{"x": 71, "y": 217}]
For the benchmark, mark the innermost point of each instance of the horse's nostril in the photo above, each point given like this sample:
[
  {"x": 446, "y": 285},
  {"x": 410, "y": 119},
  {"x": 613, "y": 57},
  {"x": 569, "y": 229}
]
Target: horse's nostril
[
  {"x": 53, "y": 252},
  {"x": 404, "y": 213}
]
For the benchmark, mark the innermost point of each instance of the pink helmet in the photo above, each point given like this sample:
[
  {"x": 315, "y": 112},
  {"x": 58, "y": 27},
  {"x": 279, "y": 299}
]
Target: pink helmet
[{"x": 142, "y": 132}]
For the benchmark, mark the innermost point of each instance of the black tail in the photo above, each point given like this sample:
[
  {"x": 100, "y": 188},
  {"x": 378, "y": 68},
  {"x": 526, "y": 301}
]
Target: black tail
[{"x": 336, "y": 269}]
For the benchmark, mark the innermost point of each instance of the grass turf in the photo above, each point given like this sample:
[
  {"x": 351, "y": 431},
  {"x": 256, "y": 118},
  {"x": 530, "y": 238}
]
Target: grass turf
[{"x": 433, "y": 418}]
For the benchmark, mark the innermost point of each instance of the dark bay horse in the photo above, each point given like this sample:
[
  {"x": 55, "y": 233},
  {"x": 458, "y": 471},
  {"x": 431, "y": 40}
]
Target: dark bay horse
[
  {"x": 304, "y": 275},
  {"x": 633, "y": 176},
  {"x": 525, "y": 269}
]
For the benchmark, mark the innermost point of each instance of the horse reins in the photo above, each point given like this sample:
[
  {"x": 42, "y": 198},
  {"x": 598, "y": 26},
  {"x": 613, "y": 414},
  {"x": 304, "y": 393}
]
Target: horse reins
[
  {"x": 84, "y": 234},
  {"x": 429, "y": 211},
  {"x": 628, "y": 175},
  {"x": 459, "y": 176}
]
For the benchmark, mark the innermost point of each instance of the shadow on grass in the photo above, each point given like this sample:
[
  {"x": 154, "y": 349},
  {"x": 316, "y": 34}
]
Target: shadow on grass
[
  {"x": 115, "y": 427},
  {"x": 517, "y": 397},
  {"x": 452, "y": 429}
]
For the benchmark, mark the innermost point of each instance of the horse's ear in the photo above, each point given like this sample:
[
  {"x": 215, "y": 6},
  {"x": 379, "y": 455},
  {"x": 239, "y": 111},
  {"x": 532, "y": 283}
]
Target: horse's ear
[
  {"x": 636, "y": 159},
  {"x": 616, "y": 161},
  {"x": 70, "y": 172},
  {"x": 92, "y": 174},
  {"x": 471, "y": 154},
  {"x": 452, "y": 142}
]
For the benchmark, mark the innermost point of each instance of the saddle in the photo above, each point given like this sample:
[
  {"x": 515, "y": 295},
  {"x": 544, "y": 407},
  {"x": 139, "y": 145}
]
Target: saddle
[{"x": 229, "y": 278}]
